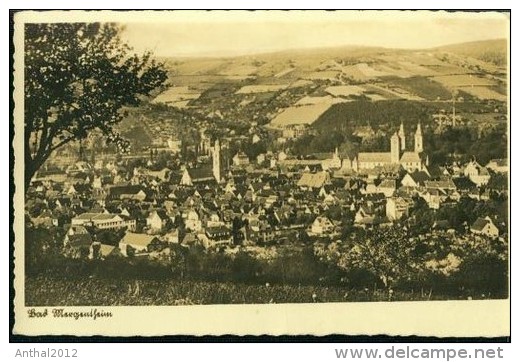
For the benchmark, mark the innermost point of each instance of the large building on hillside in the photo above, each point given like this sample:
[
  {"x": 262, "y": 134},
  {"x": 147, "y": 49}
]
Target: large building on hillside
[{"x": 398, "y": 155}]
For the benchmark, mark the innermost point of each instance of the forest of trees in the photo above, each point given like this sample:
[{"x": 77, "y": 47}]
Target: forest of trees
[{"x": 463, "y": 143}]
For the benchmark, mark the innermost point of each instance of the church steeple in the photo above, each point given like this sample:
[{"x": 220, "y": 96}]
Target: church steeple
[
  {"x": 402, "y": 137},
  {"x": 395, "y": 150},
  {"x": 216, "y": 161},
  {"x": 418, "y": 139}
]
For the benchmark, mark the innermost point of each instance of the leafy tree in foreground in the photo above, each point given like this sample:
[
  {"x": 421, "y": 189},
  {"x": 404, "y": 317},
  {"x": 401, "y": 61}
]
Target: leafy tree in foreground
[
  {"x": 387, "y": 253},
  {"x": 78, "y": 76}
]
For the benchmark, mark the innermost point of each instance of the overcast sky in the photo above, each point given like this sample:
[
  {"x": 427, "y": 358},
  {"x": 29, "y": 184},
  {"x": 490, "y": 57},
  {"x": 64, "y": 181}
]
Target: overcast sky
[{"x": 234, "y": 33}]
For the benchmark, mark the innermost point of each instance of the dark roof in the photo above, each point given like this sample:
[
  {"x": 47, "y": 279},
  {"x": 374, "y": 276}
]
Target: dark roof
[
  {"x": 419, "y": 177},
  {"x": 81, "y": 188},
  {"x": 463, "y": 183},
  {"x": 441, "y": 224},
  {"x": 117, "y": 191},
  {"x": 338, "y": 182},
  {"x": 436, "y": 171},
  {"x": 376, "y": 196},
  {"x": 206, "y": 193},
  {"x": 239, "y": 178},
  {"x": 241, "y": 189},
  {"x": 479, "y": 224},
  {"x": 161, "y": 213},
  {"x": 200, "y": 174},
  {"x": 64, "y": 201}
]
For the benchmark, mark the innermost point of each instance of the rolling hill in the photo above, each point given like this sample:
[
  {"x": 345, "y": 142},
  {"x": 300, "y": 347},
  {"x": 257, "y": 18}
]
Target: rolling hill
[
  {"x": 261, "y": 87},
  {"x": 490, "y": 51}
]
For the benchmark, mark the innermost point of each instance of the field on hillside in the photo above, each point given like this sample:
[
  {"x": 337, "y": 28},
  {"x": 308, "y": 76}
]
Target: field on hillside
[
  {"x": 463, "y": 80},
  {"x": 490, "y": 51},
  {"x": 485, "y": 93},
  {"x": 421, "y": 86},
  {"x": 349, "y": 73}
]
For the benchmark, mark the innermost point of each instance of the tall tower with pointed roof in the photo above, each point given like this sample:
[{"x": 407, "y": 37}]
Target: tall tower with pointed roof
[
  {"x": 402, "y": 137},
  {"x": 395, "y": 150},
  {"x": 418, "y": 139},
  {"x": 216, "y": 161}
]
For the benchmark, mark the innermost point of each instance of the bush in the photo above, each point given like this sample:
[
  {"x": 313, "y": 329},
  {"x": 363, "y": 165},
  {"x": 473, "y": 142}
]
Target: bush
[
  {"x": 483, "y": 274},
  {"x": 246, "y": 268},
  {"x": 301, "y": 267}
]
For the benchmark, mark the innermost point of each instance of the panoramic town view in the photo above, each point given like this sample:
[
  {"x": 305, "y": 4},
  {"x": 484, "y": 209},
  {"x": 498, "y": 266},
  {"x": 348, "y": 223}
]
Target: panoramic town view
[{"x": 309, "y": 175}]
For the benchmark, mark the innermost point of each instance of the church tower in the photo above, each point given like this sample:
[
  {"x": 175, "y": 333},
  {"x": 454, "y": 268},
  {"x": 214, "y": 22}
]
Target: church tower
[
  {"x": 395, "y": 150},
  {"x": 216, "y": 161},
  {"x": 335, "y": 156},
  {"x": 402, "y": 137},
  {"x": 418, "y": 139}
]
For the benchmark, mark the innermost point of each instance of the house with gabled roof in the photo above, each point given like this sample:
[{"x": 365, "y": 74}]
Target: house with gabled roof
[
  {"x": 128, "y": 192},
  {"x": 325, "y": 191},
  {"x": 133, "y": 244},
  {"x": 484, "y": 226},
  {"x": 101, "y": 180},
  {"x": 158, "y": 220},
  {"x": 230, "y": 186},
  {"x": 79, "y": 189},
  {"x": 397, "y": 207},
  {"x": 72, "y": 236},
  {"x": 103, "y": 251},
  {"x": 240, "y": 159},
  {"x": 322, "y": 225},
  {"x": 365, "y": 213},
  {"x": 217, "y": 236},
  {"x": 257, "y": 186},
  {"x": 314, "y": 180},
  {"x": 387, "y": 187},
  {"x": 446, "y": 184},
  {"x": 63, "y": 203},
  {"x": 499, "y": 165},
  {"x": 434, "y": 197},
  {"x": 415, "y": 179},
  {"x": 476, "y": 173},
  {"x": 193, "y": 219},
  {"x": 77, "y": 241}
]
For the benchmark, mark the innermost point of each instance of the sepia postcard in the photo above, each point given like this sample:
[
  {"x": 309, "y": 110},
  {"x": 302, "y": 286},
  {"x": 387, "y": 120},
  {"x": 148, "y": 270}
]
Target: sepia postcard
[{"x": 261, "y": 173}]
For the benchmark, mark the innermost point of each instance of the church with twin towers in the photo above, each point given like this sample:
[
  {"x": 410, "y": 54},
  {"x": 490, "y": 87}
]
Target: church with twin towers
[{"x": 410, "y": 160}]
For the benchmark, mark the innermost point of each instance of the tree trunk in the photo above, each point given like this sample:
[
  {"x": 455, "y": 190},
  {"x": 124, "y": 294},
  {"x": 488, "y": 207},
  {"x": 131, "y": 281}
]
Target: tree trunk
[{"x": 29, "y": 172}]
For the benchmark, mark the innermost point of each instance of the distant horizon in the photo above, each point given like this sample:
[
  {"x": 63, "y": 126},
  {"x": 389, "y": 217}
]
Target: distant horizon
[
  {"x": 212, "y": 55},
  {"x": 240, "y": 33}
]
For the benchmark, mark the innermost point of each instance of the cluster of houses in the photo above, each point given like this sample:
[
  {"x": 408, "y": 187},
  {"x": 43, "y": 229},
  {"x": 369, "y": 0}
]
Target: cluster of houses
[{"x": 249, "y": 203}]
